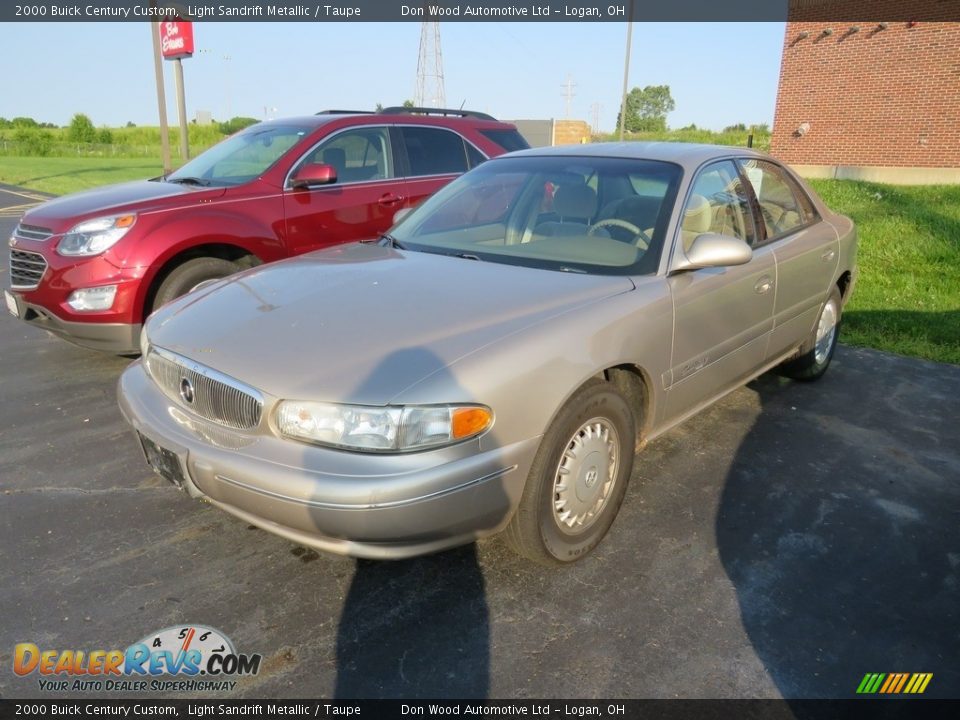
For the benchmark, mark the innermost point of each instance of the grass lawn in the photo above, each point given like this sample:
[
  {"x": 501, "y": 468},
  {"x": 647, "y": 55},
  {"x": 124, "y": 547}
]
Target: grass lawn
[
  {"x": 66, "y": 175},
  {"x": 907, "y": 299}
]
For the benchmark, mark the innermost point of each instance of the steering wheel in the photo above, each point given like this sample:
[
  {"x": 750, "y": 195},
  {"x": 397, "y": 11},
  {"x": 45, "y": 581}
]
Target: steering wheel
[{"x": 640, "y": 238}]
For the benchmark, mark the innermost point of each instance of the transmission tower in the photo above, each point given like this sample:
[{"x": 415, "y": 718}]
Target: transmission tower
[
  {"x": 430, "y": 92},
  {"x": 568, "y": 94}
]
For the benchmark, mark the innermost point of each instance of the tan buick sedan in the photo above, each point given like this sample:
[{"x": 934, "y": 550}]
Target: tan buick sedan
[{"x": 492, "y": 363}]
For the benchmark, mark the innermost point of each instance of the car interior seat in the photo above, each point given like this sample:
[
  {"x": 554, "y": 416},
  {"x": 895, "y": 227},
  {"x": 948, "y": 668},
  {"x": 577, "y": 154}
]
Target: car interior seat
[
  {"x": 697, "y": 220},
  {"x": 574, "y": 205},
  {"x": 337, "y": 157}
]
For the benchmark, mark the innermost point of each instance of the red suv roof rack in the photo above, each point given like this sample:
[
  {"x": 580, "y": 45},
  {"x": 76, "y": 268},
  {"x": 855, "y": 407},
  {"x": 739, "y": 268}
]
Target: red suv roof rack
[{"x": 399, "y": 110}]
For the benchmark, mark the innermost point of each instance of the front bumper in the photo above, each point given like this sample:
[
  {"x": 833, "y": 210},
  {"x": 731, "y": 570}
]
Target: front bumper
[
  {"x": 363, "y": 505},
  {"x": 117, "y": 338},
  {"x": 46, "y": 306}
]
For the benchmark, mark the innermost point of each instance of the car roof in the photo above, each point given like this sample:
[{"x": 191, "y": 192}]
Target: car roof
[{"x": 688, "y": 155}]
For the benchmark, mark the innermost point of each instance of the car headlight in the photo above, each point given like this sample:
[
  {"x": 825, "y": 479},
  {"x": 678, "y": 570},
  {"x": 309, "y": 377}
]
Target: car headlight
[
  {"x": 381, "y": 429},
  {"x": 92, "y": 237}
]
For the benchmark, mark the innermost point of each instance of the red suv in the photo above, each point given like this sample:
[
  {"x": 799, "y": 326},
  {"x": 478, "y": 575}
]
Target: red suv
[{"x": 92, "y": 266}]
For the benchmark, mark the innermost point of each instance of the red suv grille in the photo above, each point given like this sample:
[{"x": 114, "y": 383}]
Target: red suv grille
[{"x": 26, "y": 269}]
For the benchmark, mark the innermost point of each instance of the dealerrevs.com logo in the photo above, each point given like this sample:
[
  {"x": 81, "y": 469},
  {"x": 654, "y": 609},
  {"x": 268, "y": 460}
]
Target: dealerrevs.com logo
[{"x": 199, "y": 657}]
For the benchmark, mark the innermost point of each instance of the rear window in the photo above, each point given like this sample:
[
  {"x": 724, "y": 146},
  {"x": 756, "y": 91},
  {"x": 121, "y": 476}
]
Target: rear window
[{"x": 509, "y": 140}]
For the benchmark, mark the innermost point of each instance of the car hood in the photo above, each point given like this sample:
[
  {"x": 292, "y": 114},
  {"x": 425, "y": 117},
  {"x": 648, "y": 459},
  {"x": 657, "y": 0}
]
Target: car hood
[
  {"x": 360, "y": 323},
  {"x": 69, "y": 209}
]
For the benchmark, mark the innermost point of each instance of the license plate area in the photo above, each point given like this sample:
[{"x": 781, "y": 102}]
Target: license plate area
[
  {"x": 12, "y": 305},
  {"x": 164, "y": 462}
]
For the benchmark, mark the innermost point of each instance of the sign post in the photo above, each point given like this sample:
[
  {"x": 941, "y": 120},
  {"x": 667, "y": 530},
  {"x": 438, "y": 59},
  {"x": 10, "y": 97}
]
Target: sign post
[
  {"x": 161, "y": 99},
  {"x": 176, "y": 43}
]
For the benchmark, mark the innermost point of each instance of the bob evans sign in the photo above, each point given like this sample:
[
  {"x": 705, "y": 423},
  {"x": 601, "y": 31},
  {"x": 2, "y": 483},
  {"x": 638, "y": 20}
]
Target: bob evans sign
[{"x": 176, "y": 40}]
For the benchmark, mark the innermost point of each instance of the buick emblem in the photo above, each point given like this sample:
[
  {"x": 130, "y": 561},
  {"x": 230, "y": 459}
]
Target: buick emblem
[
  {"x": 186, "y": 391},
  {"x": 591, "y": 477}
]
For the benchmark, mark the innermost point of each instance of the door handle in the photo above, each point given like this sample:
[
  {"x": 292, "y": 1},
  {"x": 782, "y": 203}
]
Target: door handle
[
  {"x": 828, "y": 255},
  {"x": 389, "y": 199},
  {"x": 763, "y": 285}
]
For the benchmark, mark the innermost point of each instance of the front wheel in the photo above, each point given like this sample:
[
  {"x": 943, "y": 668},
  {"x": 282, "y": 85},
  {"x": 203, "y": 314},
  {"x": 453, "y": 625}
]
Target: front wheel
[
  {"x": 192, "y": 275},
  {"x": 578, "y": 478},
  {"x": 817, "y": 352}
]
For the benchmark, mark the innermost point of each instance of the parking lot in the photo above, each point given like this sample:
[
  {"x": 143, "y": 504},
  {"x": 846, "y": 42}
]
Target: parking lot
[{"x": 784, "y": 543}]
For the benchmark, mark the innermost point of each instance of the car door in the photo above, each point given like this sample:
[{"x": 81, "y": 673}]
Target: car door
[
  {"x": 433, "y": 157},
  {"x": 722, "y": 316},
  {"x": 361, "y": 203},
  {"x": 806, "y": 250}
]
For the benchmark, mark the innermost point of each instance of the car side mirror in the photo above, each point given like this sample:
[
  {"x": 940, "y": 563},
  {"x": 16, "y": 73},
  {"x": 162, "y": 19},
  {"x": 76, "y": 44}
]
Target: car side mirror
[
  {"x": 713, "y": 250},
  {"x": 313, "y": 175}
]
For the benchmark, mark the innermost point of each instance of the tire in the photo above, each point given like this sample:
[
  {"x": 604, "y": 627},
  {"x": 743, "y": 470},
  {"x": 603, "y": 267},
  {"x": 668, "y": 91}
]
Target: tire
[
  {"x": 539, "y": 530},
  {"x": 817, "y": 352},
  {"x": 187, "y": 276}
]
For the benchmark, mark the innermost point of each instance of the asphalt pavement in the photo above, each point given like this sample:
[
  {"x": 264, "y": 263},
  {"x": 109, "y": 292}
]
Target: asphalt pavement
[{"x": 781, "y": 544}]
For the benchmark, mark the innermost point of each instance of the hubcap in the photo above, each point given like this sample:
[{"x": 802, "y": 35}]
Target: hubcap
[
  {"x": 585, "y": 476},
  {"x": 826, "y": 330}
]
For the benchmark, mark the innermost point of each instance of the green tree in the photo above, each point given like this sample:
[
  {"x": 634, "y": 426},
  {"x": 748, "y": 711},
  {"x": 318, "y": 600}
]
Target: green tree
[
  {"x": 81, "y": 129},
  {"x": 24, "y": 122},
  {"x": 236, "y": 124},
  {"x": 647, "y": 108},
  {"x": 104, "y": 136}
]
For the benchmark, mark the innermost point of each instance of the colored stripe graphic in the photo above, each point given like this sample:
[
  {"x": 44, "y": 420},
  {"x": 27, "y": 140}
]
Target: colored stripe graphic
[{"x": 894, "y": 683}]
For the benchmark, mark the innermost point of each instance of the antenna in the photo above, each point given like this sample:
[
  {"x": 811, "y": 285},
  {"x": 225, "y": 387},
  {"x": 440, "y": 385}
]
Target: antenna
[{"x": 430, "y": 91}]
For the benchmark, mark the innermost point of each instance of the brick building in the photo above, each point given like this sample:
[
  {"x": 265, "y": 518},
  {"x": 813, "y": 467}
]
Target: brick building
[{"x": 867, "y": 92}]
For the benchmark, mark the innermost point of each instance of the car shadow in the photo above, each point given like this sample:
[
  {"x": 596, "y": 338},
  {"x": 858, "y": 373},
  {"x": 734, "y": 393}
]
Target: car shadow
[
  {"x": 418, "y": 628},
  {"x": 838, "y": 526},
  {"x": 415, "y": 629}
]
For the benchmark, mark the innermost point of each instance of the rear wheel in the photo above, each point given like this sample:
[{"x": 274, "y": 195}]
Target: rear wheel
[
  {"x": 192, "y": 275},
  {"x": 817, "y": 352},
  {"x": 578, "y": 478}
]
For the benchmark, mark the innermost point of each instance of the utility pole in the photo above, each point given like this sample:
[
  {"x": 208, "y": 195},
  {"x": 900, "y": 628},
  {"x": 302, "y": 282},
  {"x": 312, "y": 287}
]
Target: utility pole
[
  {"x": 595, "y": 115},
  {"x": 161, "y": 99},
  {"x": 568, "y": 93},
  {"x": 626, "y": 72}
]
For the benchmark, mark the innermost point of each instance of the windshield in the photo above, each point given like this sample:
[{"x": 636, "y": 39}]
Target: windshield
[
  {"x": 576, "y": 214},
  {"x": 241, "y": 157}
]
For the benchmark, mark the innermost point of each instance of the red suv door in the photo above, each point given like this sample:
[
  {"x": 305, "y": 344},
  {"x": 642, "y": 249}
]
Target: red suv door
[
  {"x": 434, "y": 156},
  {"x": 362, "y": 201}
]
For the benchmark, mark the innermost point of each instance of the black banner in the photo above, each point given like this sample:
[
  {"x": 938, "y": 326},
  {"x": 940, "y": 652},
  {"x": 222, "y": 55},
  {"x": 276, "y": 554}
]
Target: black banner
[
  {"x": 393, "y": 10},
  {"x": 566, "y": 709}
]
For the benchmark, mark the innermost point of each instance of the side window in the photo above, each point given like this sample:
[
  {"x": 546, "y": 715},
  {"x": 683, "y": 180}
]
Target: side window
[
  {"x": 474, "y": 156},
  {"x": 717, "y": 204},
  {"x": 434, "y": 151},
  {"x": 783, "y": 205},
  {"x": 358, "y": 155}
]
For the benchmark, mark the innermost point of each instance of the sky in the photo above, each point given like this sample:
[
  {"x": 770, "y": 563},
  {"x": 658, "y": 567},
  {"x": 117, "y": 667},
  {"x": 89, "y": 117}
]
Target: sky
[{"x": 719, "y": 73}]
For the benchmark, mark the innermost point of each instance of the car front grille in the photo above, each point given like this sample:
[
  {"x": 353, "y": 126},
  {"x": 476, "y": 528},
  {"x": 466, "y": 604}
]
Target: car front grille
[
  {"x": 204, "y": 391},
  {"x": 26, "y": 269},
  {"x": 32, "y": 232}
]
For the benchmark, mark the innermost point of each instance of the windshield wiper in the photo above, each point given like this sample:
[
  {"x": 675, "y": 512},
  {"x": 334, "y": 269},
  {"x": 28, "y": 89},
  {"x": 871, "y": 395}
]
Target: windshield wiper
[
  {"x": 189, "y": 181},
  {"x": 466, "y": 256},
  {"x": 392, "y": 242}
]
